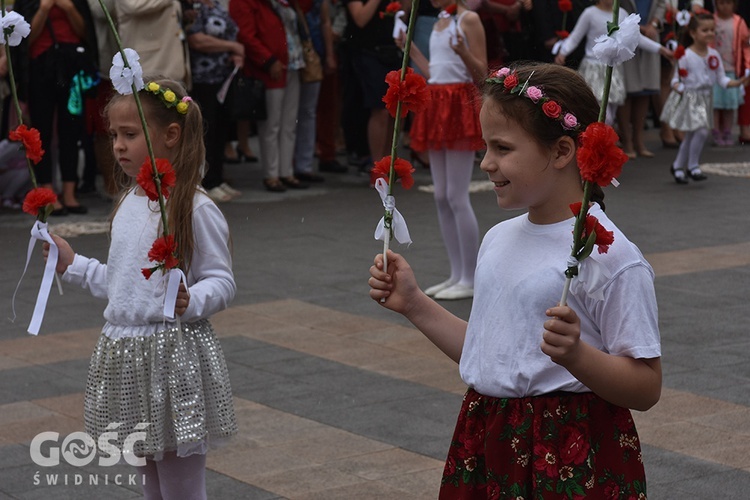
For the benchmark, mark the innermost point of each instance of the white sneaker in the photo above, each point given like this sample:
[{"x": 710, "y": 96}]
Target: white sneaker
[
  {"x": 439, "y": 287},
  {"x": 455, "y": 292},
  {"x": 230, "y": 190},
  {"x": 218, "y": 195}
]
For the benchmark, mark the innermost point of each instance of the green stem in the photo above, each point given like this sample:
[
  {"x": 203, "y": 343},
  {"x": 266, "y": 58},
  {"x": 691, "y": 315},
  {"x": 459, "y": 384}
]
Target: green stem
[
  {"x": 142, "y": 116},
  {"x": 14, "y": 94}
]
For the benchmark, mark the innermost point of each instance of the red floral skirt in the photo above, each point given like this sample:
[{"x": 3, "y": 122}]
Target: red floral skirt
[
  {"x": 561, "y": 445},
  {"x": 450, "y": 120}
]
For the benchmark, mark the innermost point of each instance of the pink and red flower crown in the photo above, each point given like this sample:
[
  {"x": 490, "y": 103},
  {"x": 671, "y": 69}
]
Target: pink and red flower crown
[{"x": 551, "y": 108}]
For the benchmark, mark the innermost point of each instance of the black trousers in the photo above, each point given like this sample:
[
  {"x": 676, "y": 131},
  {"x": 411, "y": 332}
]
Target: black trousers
[
  {"x": 216, "y": 125},
  {"x": 49, "y": 98}
]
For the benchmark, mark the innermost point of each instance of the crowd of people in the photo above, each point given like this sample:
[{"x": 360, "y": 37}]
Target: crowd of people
[{"x": 200, "y": 43}]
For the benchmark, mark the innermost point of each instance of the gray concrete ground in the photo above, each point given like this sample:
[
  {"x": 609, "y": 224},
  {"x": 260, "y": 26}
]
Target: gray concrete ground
[{"x": 316, "y": 246}]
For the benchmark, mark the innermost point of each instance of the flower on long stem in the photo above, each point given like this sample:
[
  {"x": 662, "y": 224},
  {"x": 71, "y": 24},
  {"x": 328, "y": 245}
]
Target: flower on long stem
[
  {"x": 403, "y": 169},
  {"x": 598, "y": 157}
]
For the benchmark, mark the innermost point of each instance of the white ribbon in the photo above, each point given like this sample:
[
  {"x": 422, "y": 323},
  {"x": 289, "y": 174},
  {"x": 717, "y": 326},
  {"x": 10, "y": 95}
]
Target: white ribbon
[
  {"x": 221, "y": 95},
  {"x": 39, "y": 232},
  {"x": 172, "y": 278},
  {"x": 592, "y": 276},
  {"x": 398, "y": 25},
  {"x": 400, "y": 231},
  {"x": 557, "y": 46}
]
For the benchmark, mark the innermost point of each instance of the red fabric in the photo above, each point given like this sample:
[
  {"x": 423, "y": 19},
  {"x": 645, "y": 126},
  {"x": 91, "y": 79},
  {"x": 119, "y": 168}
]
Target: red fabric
[
  {"x": 562, "y": 445},
  {"x": 95, "y": 122},
  {"x": 743, "y": 113},
  {"x": 63, "y": 33},
  {"x": 450, "y": 121},
  {"x": 262, "y": 33}
]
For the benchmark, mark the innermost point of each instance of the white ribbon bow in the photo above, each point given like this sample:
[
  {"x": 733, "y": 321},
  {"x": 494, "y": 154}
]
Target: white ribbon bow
[
  {"x": 400, "y": 231},
  {"x": 398, "y": 25},
  {"x": 39, "y": 232},
  {"x": 172, "y": 278},
  {"x": 592, "y": 276}
]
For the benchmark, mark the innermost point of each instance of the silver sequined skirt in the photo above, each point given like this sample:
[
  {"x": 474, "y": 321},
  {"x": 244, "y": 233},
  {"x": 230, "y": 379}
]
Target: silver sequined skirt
[
  {"x": 690, "y": 111},
  {"x": 178, "y": 390},
  {"x": 595, "y": 75}
]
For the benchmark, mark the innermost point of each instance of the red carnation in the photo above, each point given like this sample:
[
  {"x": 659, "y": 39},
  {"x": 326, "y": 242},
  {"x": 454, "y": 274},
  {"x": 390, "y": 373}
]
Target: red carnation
[
  {"x": 565, "y": 5},
  {"x": 576, "y": 208},
  {"x": 412, "y": 92},
  {"x": 31, "y": 141},
  {"x": 392, "y": 8},
  {"x": 551, "y": 109},
  {"x": 510, "y": 81},
  {"x": 451, "y": 9},
  {"x": 669, "y": 16},
  {"x": 163, "y": 252},
  {"x": 403, "y": 169},
  {"x": 37, "y": 199},
  {"x": 599, "y": 158},
  {"x": 562, "y": 34},
  {"x": 679, "y": 52},
  {"x": 167, "y": 177},
  {"x": 604, "y": 238},
  {"x": 713, "y": 62},
  {"x": 682, "y": 72},
  {"x": 148, "y": 271}
]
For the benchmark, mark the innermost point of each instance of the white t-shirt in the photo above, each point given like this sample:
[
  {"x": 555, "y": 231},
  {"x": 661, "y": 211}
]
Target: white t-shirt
[
  {"x": 135, "y": 305},
  {"x": 700, "y": 74},
  {"x": 520, "y": 274}
]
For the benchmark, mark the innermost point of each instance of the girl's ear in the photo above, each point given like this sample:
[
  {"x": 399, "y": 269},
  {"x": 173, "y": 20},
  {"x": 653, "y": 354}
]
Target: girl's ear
[
  {"x": 173, "y": 134},
  {"x": 563, "y": 152}
]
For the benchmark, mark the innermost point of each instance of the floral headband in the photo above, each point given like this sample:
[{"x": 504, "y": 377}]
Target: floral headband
[
  {"x": 169, "y": 98},
  {"x": 551, "y": 108}
]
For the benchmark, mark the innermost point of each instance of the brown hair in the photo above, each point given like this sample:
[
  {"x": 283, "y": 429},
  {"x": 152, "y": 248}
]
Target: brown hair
[
  {"x": 561, "y": 84},
  {"x": 695, "y": 19},
  {"x": 188, "y": 161}
]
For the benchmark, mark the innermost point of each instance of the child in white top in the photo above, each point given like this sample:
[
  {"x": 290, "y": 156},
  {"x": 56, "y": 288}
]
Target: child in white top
[
  {"x": 144, "y": 372},
  {"x": 546, "y": 413},
  {"x": 592, "y": 24},
  {"x": 449, "y": 131},
  {"x": 689, "y": 107}
]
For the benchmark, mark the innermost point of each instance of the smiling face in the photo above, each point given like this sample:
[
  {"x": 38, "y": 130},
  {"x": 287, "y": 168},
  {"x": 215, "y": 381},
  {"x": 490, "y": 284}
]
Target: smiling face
[
  {"x": 526, "y": 174},
  {"x": 128, "y": 141},
  {"x": 704, "y": 33}
]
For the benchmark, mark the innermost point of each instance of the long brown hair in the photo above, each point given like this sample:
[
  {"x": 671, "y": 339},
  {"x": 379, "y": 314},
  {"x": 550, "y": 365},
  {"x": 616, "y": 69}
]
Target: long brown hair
[
  {"x": 563, "y": 85},
  {"x": 189, "y": 159}
]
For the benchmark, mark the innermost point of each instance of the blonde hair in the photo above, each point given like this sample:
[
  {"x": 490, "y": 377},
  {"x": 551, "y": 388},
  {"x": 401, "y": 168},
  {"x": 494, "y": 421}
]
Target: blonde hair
[{"x": 190, "y": 154}]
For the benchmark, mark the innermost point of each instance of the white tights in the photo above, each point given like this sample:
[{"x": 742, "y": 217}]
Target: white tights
[
  {"x": 451, "y": 175},
  {"x": 175, "y": 478},
  {"x": 690, "y": 149}
]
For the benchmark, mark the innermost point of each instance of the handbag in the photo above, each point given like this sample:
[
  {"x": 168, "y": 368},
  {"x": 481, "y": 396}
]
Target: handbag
[
  {"x": 244, "y": 98},
  {"x": 75, "y": 69},
  {"x": 313, "y": 70}
]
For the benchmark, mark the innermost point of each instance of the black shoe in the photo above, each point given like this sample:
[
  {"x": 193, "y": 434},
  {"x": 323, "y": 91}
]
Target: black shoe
[
  {"x": 678, "y": 174},
  {"x": 245, "y": 158},
  {"x": 332, "y": 166},
  {"x": 309, "y": 177},
  {"x": 293, "y": 183},
  {"x": 77, "y": 209},
  {"x": 696, "y": 174},
  {"x": 274, "y": 185}
]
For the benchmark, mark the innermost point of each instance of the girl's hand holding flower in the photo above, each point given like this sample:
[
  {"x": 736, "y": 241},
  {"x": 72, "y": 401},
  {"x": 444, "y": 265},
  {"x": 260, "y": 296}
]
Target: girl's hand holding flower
[
  {"x": 183, "y": 300},
  {"x": 562, "y": 335},
  {"x": 65, "y": 253}
]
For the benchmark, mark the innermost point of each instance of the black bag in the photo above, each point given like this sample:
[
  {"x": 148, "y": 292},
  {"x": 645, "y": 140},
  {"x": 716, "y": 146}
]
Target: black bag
[{"x": 246, "y": 99}]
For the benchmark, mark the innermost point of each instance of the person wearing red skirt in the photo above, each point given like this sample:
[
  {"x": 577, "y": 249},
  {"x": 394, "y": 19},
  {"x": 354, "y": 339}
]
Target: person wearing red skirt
[
  {"x": 448, "y": 129},
  {"x": 547, "y": 412}
]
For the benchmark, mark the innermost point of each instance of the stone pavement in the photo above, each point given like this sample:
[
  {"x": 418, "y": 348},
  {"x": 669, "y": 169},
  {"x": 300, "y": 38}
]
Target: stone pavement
[{"x": 338, "y": 398}]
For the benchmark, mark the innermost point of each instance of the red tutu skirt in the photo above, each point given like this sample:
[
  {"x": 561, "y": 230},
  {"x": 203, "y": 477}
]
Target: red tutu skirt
[
  {"x": 561, "y": 445},
  {"x": 450, "y": 121}
]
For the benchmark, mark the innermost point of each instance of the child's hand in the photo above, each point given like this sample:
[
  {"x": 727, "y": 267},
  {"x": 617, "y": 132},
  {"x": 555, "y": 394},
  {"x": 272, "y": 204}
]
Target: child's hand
[
  {"x": 560, "y": 59},
  {"x": 398, "y": 287},
  {"x": 65, "y": 253},
  {"x": 562, "y": 335},
  {"x": 183, "y": 300},
  {"x": 459, "y": 47}
]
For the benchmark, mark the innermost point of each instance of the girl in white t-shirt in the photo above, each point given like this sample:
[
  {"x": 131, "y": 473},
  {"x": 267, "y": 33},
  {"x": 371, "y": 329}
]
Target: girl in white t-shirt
[
  {"x": 689, "y": 107},
  {"x": 146, "y": 375},
  {"x": 547, "y": 413}
]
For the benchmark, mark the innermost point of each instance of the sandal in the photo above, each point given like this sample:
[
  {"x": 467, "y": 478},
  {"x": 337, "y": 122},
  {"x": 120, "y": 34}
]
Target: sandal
[{"x": 274, "y": 185}]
